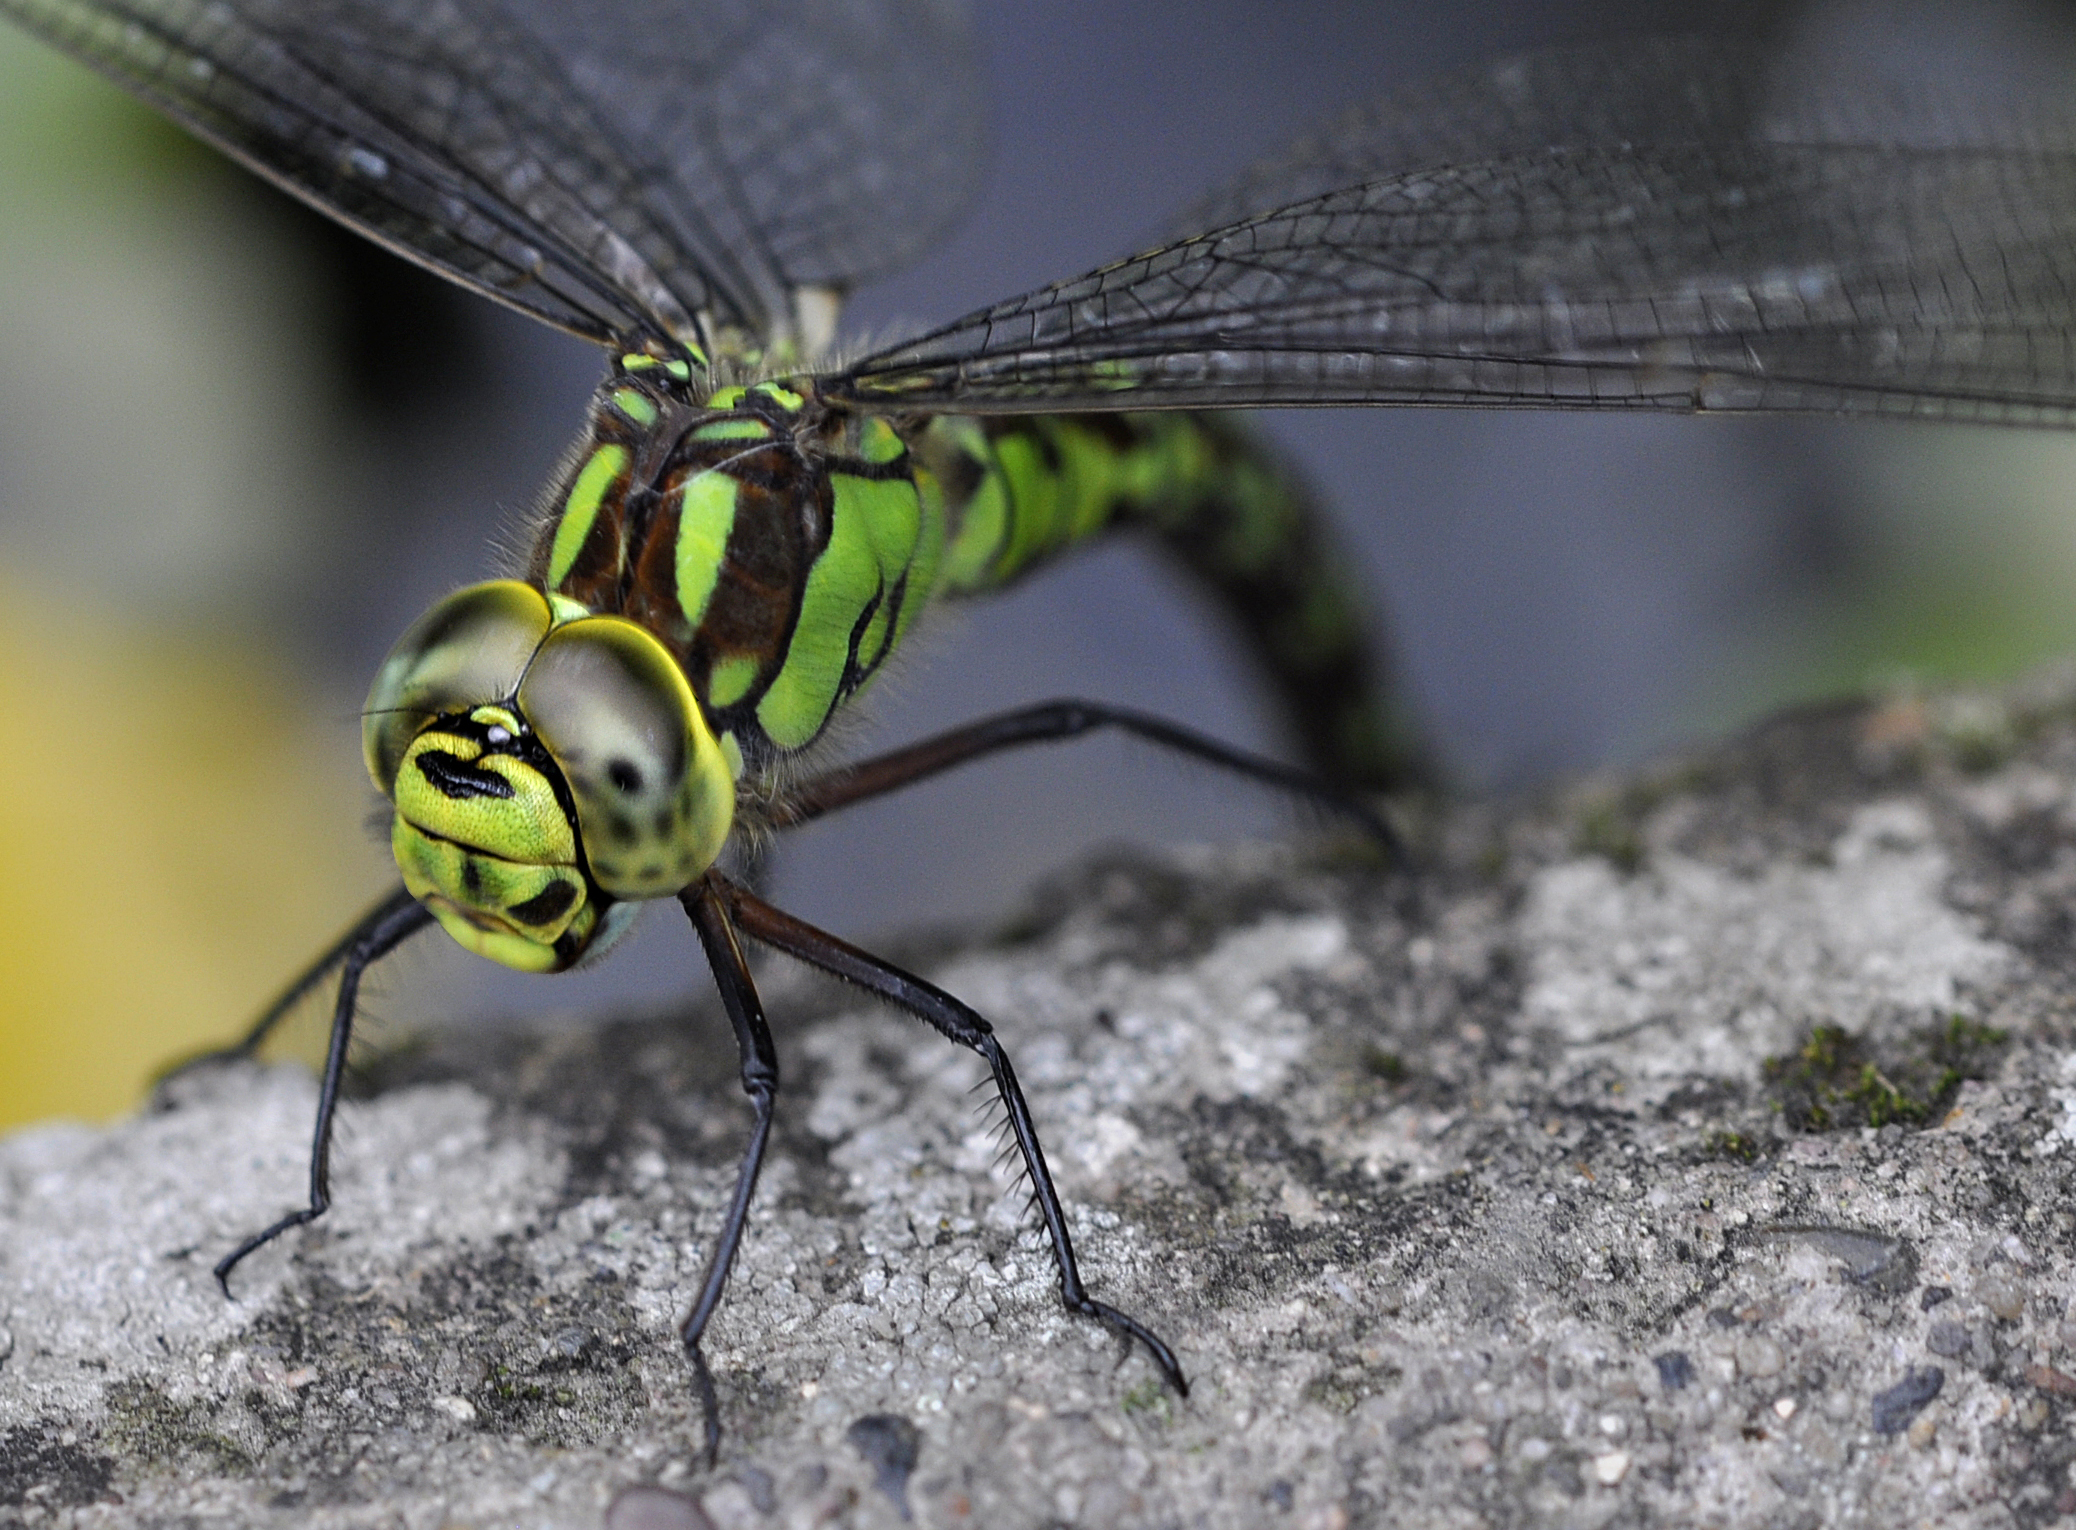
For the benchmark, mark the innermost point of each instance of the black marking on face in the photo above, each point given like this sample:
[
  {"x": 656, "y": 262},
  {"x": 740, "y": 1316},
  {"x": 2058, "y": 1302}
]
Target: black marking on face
[
  {"x": 545, "y": 906},
  {"x": 452, "y": 776},
  {"x": 625, "y": 775}
]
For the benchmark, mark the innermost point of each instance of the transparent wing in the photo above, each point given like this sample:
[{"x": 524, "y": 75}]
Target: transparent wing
[
  {"x": 1667, "y": 227},
  {"x": 617, "y": 168}
]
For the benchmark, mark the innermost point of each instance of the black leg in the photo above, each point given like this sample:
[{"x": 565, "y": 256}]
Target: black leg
[
  {"x": 295, "y": 993},
  {"x": 391, "y": 923},
  {"x": 760, "y": 1081},
  {"x": 781, "y": 931},
  {"x": 1050, "y": 722}
]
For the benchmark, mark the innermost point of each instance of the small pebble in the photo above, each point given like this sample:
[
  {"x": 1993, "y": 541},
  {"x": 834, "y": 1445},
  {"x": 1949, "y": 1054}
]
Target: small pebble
[
  {"x": 1611, "y": 1468},
  {"x": 1932, "y": 1296},
  {"x": 891, "y": 1445},
  {"x": 655, "y": 1508},
  {"x": 1784, "y": 1408},
  {"x": 1920, "y": 1432},
  {"x": 1759, "y": 1356},
  {"x": 1613, "y": 1425},
  {"x": 1949, "y": 1339},
  {"x": 460, "y": 1409},
  {"x": 1895, "y": 1407},
  {"x": 1535, "y": 1448},
  {"x": 762, "y": 1490},
  {"x": 1675, "y": 1370},
  {"x": 1476, "y": 1453},
  {"x": 2005, "y": 1297}
]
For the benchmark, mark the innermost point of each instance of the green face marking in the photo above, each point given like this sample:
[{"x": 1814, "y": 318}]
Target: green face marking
[
  {"x": 483, "y": 841},
  {"x": 541, "y": 770}
]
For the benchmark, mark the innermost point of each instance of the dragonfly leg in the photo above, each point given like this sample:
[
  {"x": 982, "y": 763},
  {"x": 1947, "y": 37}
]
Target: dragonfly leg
[
  {"x": 1051, "y": 722},
  {"x": 387, "y": 926},
  {"x": 760, "y": 1081},
  {"x": 290, "y": 996},
  {"x": 963, "y": 1025}
]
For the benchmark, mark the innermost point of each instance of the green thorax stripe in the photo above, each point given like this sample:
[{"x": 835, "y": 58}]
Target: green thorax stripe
[{"x": 778, "y": 549}]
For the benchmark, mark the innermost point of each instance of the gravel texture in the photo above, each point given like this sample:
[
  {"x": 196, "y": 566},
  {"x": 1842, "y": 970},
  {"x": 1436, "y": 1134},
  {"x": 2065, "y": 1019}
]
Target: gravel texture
[{"x": 1689, "y": 1148}]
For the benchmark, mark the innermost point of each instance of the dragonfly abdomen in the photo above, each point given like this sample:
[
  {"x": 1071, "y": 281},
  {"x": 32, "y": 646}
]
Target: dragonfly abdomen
[{"x": 1024, "y": 488}]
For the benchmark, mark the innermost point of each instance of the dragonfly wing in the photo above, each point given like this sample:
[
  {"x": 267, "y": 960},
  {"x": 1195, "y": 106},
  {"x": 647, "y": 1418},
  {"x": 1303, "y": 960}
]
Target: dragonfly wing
[
  {"x": 1670, "y": 225},
  {"x": 836, "y": 139},
  {"x": 1934, "y": 283},
  {"x": 618, "y": 197},
  {"x": 1652, "y": 90}
]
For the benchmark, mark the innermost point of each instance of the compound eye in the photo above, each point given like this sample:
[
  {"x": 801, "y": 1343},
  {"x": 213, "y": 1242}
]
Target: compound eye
[
  {"x": 653, "y": 794},
  {"x": 468, "y": 650}
]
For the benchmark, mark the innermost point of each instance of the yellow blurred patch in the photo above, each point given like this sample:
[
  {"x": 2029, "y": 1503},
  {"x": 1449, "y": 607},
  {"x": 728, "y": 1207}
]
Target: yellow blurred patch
[{"x": 175, "y": 841}]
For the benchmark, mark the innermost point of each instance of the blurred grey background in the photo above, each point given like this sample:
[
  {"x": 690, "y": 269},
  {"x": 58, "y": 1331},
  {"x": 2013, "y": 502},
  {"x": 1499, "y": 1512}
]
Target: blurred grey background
[{"x": 220, "y": 415}]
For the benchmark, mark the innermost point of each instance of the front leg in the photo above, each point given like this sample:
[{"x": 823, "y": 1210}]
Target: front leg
[
  {"x": 385, "y": 927},
  {"x": 760, "y": 1081},
  {"x": 393, "y": 904}
]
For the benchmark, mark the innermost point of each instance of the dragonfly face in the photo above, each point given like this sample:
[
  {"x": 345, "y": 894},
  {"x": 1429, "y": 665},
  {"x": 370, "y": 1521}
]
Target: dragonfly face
[{"x": 549, "y": 769}]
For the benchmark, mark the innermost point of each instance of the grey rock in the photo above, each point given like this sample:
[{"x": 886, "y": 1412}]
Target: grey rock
[
  {"x": 654, "y": 1508},
  {"x": 1949, "y": 1339},
  {"x": 1461, "y": 1196},
  {"x": 1887, "y": 1264},
  {"x": 1896, "y": 1406}
]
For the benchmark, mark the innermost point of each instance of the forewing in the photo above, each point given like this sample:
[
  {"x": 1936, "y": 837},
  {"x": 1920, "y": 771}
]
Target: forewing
[
  {"x": 602, "y": 165},
  {"x": 1664, "y": 227},
  {"x": 836, "y": 139}
]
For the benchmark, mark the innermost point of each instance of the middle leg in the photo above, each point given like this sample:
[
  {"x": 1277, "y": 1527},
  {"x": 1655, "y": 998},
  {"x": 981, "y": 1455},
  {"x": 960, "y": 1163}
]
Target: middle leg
[
  {"x": 1053, "y": 722},
  {"x": 963, "y": 1025}
]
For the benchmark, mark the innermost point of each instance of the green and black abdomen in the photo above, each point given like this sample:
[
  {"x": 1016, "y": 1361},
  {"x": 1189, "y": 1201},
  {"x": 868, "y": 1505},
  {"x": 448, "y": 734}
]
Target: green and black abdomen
[{"x": 1022, "y": 488}]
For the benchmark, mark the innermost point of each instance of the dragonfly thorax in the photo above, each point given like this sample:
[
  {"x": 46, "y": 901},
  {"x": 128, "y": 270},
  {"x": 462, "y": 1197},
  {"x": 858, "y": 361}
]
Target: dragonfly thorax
[
  {"x": 777, "y": 548},
  {"x": 549, "y": 768}
]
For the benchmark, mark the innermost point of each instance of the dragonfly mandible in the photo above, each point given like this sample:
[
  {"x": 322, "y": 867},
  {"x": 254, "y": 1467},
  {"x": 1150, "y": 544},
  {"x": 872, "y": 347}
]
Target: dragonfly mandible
[{"x": 744, "y": 531}]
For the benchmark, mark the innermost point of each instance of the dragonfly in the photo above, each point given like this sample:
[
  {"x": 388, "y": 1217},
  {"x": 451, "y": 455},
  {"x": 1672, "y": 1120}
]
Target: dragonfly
[{"x": 748, "y": 524}]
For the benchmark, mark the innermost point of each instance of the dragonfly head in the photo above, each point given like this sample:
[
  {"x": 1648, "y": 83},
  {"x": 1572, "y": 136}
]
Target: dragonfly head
[{"x": 547, "y": 773}]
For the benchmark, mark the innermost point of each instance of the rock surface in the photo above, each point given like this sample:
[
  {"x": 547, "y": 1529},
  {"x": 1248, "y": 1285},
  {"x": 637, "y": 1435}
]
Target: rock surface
[{"x": 1691, "y": 1149}]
